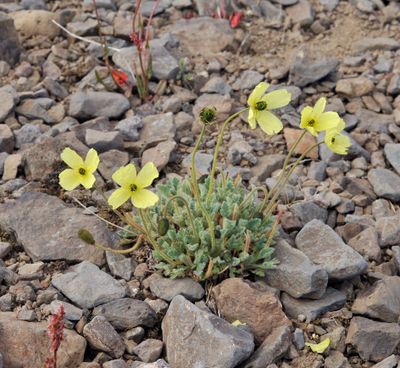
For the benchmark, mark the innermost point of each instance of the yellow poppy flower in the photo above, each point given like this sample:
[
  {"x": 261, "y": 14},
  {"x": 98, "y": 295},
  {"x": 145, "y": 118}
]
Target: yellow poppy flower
[
  {"x": 260, "y": 104},
  {"x": 337, "y": 142},
  {"x": 80, "y": 172},
  {"x": 316, "y": 120},
  {"x": 319, "y": 348},
  {"x": 132, "y": 186}
]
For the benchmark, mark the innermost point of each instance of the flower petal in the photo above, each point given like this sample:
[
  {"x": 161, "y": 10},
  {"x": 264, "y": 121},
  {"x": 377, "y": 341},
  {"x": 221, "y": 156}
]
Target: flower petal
[
  {"x": 252, "y": 119},
  {"x": 71, "y": 158},
  {"x": 319, "y": 348},
  {"x": 319, "y": 107},
  {"x": 88, "y": 180},
  {"x": 144, "y": 198},
  {"x": 69, "y": 179},
  {"x": 257, "y": 93},
  {"x": 146, "y": 175},
  {"x": 268, "y": 122},
  {"x": 92, "y": 160},
  {"x": 327, "y": 120},
  {"x": 277, "y": 99},
  {"x": 305, "y": 116},
  {"x": 125, "y": 175},
  {"x": 119, "y": 197}
]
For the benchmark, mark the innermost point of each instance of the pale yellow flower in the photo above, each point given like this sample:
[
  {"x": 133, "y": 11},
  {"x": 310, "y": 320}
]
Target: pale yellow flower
[{"x": 336, "y": 141}]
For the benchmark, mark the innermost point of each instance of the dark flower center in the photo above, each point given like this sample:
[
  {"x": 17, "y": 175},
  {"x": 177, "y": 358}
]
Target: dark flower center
[
  {"x": 311, "y": 122},
  {"x": 82, "y": 171},
  {"x": 133, "y": 187},
  {"x": 333, "y": 140},
  {"x": 261, "y": 105}
]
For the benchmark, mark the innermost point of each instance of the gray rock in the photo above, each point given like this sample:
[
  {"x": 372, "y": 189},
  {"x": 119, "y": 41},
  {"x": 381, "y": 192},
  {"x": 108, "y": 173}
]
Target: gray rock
[
  {"x": 10, "y": 48},
  {"x": 72, "y": 313},
  {"x": 127, "y": 313},
  {"x": 25, "y": 344},
  {"x": 373, "y": 340},
  {"x": 101, "y": 336},
  {"x": 355, "y": 87},
  {"x": 301, "y": 13},
  {"x": 380, "y": 301},
  {"x": 366, "y": 243},
  {"x": 273, "y": 348},
  {"x": 203, "y": 36},
  {"x": 304, "y": 72},
  {"x": 394, "y": 85},
  {"x": 396, "y": 256},
  {"x": 149, "y": 350},
  {"x": 185, "y": 326},
  {"x": 83, "y": 28},
  {"x": 389, "y": 230},
  {"x": 110, "y": 161},
  {"x": 332, "y": 300},
  {"x": 55, "y": 227},
  {"x": 386, "y": 183},
  {"x": 86, "y": 105},
  {"x": 87, "y": 286},
  {"x": 308, "y": 211},
  {"x": 160, "y": 363},
  {"x": 317, "y": 170},
  {"x": 266, "y": 165},
  {"x": 216, "y": 85},
  {"x": 248, "y": 80},
  {"x": 3, "y": 157},
  {"x": 56, "y": 89},
  {"x": 324, "y": 247},
  {"x": 389, "y": 362},
  {"x": 38, "y": 108},
  {"x": 129, "y": 127},
  {"x": 115, "y": 363},
  {"x": 7, "y": 104},
  {"x": 167, "y": 289},
  {"x": 160, "y": 155},
  {"x": 392, "y": 153},
  {"x": 273, "y": 15},
  {"x": 6, "y": 138},
  {"x": 383, "y": 65},
  {"x": 329, "y": 4},
  {"x": 104, "y": 141},
  {"x": 298, "y": 338},
  {"x": 203, "y": 163},
  {"x": 6, "y": 302},
  {"x": 296, "y": 274},
  {"x": 378, "y": 43},
  {"x": 28, "y": 133},
  {"x": 372, "y": 122},
  {"x": 336, "y": 359},
  {"x": 164, "y": 65},
  {"x": 120, "y": 265},
  {"x": 156, "y": 128},
  {"x": 5, "y": 248}
]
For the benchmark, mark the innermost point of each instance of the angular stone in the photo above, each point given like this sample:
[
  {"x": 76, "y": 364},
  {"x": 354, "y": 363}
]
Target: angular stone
[
  {"x": 86, "y": 105},
  {"x": 392, "y": 153},
  {"x": 291, "y": 135},
  {"x": 217, "y": 85},
  {"x": 380, "y": 301},
  {"x": 104, "y": 141},
  {"x": 110, "y": 161},
  {"x": 26, "y": 344},
  {"x": 55, "y": 227},
  {"x": 332, "y": 300},
  {"x": 301, "y": 13},
  {"x": 160, "y": 154},
  {"x": 248, "y": 80},
  {"x": 389, "y": 230},
  {"x": 149, "y": 350},
  {"x": 72, "y": 313},
  {"x": 120, "y": 265},
  {"x": 87, "y": 286},
  {"x": 5, "y": 248},
  {"x": 6, "y": 107},
  {"x": 27, "y": 134},
  {"x": 378, "y": 43},
  {"x": 251, "y": 303},
  {"x": 6, "y": 138},
  {"x": 366, "y": 243},
  {"x": 160, "y": 363},
  {"x": 304, "y": 71},
  {"x": 325, "y": 248},
  {"x": 389, "y": 362},
  {"x": 129, "y": 127},
  {"x": 266, "y": 165},
  {"x": 203, "y": 163},
  {"x": 11, "y": 166},
  {"x": 273, "y": 348},
  {"x": 101, "y": 336},
  {"x": 308, "y": 211},
  {"x": 354, "y": 87},
  {"x": 373, "y": 340},
  {"x": 10, "y": 48},
  {"x": 127, "y": 313},
  {"x": 185, "y": 326},
  {"x": 336, "y": 360},
  {"x": 157, "y": 128},
  {"x": 203, "y": 36},
  {"x": 296, "y": 274},
  {"x": 372, "y": 122},
  {"x": 167, "y": 289},
  {"x": 36, "y": 23},
  {"x": 386, "y": 183}
]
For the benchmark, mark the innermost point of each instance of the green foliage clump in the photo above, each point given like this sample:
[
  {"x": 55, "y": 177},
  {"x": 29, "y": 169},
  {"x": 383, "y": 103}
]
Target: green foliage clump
[{"x": 237, "y": 242}]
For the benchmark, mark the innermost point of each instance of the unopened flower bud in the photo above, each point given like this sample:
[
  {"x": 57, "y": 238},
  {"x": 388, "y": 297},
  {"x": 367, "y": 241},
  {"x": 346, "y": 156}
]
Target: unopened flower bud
[
  {"x": 163, "y": 226},
  {"x": 86, "y": 236},
  {"x": 207, "y": 115}
]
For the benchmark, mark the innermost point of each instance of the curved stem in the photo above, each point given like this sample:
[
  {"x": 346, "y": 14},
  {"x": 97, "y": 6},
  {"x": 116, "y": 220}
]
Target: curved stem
[
  {"x": 216, "y": 151},
  {"x": 279, "y": 190},
  {"x": 285, "y": 164},
  {"x": 186, "y": 204},
  {"x": 121, "y": 251},
  {"x": 256, "y": 189},
  {"x": 193, "y": 168}
]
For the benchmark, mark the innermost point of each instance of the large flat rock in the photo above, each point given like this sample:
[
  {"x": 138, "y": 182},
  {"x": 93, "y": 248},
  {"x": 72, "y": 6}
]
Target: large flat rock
[{"x": 48, "y": 229}]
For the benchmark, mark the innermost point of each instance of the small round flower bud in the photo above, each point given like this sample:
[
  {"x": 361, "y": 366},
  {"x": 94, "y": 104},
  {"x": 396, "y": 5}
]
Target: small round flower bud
[{"x": 207, "y": 115}]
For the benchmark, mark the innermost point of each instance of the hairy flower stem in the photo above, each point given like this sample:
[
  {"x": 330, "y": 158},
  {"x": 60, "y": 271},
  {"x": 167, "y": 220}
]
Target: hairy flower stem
[
  {"x": 250, "y": 195},
  {"x": 174, "y": 198},
  {"x": 280, "y": 188},
  {"x": 285, "y": 164},
  {"x": 196, "y": 192},
  {"x": 216, "y": 151},
  {"x": 152, "y": 241},
  {"x": 122, "y": 251}
]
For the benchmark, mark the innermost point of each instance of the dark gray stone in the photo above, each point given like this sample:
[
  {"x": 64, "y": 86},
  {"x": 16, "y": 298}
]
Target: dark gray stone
[
  {"x": 167, "y": 289},
  {"x": 386, "y": 183},
  {"x": 10, "y": 49}
]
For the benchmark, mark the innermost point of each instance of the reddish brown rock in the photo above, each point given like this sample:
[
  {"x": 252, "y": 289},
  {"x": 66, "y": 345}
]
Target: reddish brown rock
[
  {"x": 291, "y": 135},
  {"x": 251, "y": 303}
]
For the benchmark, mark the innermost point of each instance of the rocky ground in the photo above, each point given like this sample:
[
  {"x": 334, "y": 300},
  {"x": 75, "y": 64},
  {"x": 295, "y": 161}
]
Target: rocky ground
[{"x": 339, "y": 244}]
